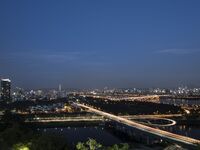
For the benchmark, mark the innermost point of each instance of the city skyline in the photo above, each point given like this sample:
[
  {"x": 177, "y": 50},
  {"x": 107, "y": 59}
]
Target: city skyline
[{"x": 96, "y": 44}]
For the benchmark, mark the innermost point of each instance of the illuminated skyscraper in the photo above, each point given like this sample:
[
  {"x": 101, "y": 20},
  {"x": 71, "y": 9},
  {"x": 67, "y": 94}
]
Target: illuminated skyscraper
[
  {"x": 5, "y": 90},
  {"x": 59, "y": 91},
  {"x": 60, "y": 88}
]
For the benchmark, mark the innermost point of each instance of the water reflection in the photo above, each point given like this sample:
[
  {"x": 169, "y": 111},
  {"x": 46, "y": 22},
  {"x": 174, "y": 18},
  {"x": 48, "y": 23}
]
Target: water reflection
[
  {"x": 75, "y": 134},
  {"x": 179, "y": 102},
  {"x": 190, "y": 131}
]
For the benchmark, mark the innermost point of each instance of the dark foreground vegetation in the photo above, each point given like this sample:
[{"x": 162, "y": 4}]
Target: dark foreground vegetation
[
  {"x": 14, "y": 135},
  {"x": 18, "y": 138}
]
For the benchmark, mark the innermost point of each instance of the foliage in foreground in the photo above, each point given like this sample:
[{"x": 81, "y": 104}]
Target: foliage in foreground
[
  {"x": 18, "y": 138},
  {"x": 91, "y": 144},
  {"x": 15, "y": 136}
]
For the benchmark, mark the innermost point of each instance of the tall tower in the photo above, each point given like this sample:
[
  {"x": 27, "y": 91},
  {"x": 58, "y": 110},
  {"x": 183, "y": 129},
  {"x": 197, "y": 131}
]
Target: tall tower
[
  {"x": 59, "y": 91},
  {"x": 5, "y": 90},
  {"x": 60, "y": 88}
]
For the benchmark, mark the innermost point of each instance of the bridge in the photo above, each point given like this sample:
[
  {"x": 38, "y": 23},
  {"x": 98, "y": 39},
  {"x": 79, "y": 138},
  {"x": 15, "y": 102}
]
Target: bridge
[
  {"x": 154, "y": 98},
  {"x": 78, "y": 118},
  {"x": 149, "y": 130},
  {"x": 143, "y": 119}
]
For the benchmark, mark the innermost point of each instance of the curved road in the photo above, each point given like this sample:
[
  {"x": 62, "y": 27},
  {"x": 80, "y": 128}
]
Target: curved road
[{"x": 144, "y": 128}]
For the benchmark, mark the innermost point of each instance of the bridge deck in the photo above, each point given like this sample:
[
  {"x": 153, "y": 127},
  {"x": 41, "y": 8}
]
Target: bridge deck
[{"x": 144, "y": 128}]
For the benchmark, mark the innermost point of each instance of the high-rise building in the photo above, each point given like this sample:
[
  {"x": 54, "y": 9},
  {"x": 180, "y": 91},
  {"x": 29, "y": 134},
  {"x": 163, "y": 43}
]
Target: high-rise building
[
  {"x": 59, "y": 91},
  {"x": 5, "y": 90},
  {"x": 59, "y": 88}
]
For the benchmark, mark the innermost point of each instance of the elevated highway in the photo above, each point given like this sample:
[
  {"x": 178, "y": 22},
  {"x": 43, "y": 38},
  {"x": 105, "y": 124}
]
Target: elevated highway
[
  {"x": 150, "y": 130},
  {"x": 154, "y": 98},
  {"x": 166, "y": 122}
]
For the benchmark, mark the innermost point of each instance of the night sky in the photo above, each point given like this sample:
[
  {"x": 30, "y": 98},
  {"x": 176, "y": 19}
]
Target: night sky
[{"x": 98, "y": 43}]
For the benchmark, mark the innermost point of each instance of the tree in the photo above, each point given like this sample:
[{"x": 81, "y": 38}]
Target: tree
[
  {"x": 114, "y": 147},
  {"x": 81, "y": 146},
  {"x": 21, "y": 146},
  {"x": 91, "y": 144},
  {"x": 123, "y": 146}
]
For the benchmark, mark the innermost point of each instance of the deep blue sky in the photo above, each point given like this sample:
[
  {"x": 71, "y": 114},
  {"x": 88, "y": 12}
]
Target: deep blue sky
[{"x": 98, "y": 43}]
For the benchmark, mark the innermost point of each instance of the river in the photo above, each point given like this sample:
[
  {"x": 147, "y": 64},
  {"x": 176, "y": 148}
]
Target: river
[
  {"x": 186, "y": 130},
  {"x": 179, "y": 102},
  {"x": 74, "y": 135}
]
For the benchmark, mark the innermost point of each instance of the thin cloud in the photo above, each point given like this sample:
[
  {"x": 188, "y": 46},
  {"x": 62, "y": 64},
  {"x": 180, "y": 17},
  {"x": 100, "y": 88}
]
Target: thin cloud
[
  {"x": 52, "y": 57},
  {"x": 177, "y": 51},
  {"x": 46, "y": 56},
  {"x": 62, "y": 56}
]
